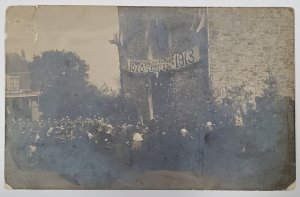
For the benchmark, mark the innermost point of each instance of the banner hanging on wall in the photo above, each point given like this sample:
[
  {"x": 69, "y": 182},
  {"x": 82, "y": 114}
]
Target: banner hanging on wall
[{"x": 175, "y": 62}]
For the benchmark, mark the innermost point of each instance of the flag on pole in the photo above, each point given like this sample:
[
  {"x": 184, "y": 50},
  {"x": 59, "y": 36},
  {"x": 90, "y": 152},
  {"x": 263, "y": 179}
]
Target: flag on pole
[
  {"x": 199, "y": 20},
  {"x": 147, "y": 29},
  {"x": 121, "y": 37},
  {"x": 170, "y": 44},
  {"x": 150, "y": 54}
]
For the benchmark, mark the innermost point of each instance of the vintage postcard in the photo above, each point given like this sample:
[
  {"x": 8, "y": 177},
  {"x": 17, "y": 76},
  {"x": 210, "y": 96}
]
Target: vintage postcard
[{"x": 100, "y": 97}]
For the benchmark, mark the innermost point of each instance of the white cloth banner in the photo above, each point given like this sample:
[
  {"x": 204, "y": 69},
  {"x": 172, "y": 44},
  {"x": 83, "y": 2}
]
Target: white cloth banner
[{"x": 176, "y": 61}]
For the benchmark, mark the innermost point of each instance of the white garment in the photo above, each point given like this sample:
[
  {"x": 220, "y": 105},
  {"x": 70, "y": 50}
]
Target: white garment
[
  {"x": 137, "y": 137},
  {"x": 31, "y": 150},
  {"x": 183, "y": 132},
  {"x": 49, "y": 131},
  {"x": 90, "y": 136},
  {"x": 37, "y": 137}
]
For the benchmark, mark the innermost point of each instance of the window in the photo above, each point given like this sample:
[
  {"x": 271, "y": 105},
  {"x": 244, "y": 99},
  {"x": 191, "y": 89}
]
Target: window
[{"x": 12, "y": 83}]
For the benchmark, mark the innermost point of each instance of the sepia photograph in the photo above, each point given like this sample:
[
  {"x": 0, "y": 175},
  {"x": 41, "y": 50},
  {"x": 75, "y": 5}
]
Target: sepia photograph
[{"x": 149, "y": 98}]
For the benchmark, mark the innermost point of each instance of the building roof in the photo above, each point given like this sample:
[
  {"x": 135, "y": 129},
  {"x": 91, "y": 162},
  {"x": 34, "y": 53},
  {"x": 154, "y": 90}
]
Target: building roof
[{"x": 15, "y": 63}]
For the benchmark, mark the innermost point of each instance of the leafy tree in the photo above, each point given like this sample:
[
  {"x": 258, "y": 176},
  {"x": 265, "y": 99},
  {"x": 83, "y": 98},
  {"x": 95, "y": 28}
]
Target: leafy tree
[{"x": 61, "y": 77}]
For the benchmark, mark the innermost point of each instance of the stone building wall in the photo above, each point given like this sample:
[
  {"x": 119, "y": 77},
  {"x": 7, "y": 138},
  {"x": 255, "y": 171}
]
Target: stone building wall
[
  {"x": 243, "y": 45},
  {"x": 154, "y": 33},
  {"x": 245, "y": 42}
]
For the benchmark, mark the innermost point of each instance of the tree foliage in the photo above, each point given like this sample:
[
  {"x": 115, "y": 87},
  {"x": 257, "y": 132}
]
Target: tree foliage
[{"x": 61, "y": 77}]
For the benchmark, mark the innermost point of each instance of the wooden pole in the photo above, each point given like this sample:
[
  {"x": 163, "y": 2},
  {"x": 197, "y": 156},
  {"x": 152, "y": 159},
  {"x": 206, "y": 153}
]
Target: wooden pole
[
  {"x": 149, "y": 99},
  {"x": 202, "y": 151}
]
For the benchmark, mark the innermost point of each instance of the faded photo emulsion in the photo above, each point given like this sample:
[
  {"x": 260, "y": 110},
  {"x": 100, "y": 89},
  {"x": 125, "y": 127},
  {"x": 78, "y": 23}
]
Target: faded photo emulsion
[{"x": 101, "y": 97}]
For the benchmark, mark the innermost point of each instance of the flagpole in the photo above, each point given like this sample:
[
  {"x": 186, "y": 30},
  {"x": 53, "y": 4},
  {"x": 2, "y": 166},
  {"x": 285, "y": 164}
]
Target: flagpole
[
  {"x": 149, "y": 98},
  {"x": 207, "y": 31},
  {"x": 149, "y": 82}
]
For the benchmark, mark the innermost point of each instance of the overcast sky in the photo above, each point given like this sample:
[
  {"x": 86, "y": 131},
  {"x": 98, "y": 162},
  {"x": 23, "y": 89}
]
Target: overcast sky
[{"x": 81, "y": 29}]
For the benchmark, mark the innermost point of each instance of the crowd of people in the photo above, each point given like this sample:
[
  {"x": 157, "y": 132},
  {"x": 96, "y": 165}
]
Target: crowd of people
[
  {"x": 94, "y": 130},
  {"x": 35, "y": 137}
]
